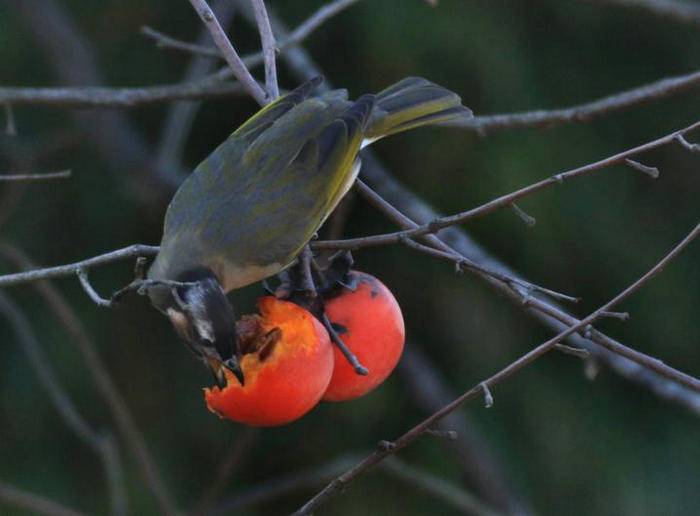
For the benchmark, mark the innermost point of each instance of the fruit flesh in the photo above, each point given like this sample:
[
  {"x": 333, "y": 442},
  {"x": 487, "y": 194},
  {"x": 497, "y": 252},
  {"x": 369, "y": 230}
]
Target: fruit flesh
[
  {"x": 370, "y": 323},
  {"x": 287, "y": 368}
]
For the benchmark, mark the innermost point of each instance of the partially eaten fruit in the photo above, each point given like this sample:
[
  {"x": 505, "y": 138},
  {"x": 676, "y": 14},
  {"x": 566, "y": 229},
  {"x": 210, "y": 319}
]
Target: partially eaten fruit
[
  {"x": 369, "y": 321},
  {"x": 287, "y": 364}
]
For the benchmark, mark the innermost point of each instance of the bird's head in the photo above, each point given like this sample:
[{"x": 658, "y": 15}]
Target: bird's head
[{"x": 202, "y": 315}]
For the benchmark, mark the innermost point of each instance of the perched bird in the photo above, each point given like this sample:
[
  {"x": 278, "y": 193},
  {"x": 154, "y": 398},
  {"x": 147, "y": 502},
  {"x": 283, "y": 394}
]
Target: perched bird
[{"x": 249, "y": 208}]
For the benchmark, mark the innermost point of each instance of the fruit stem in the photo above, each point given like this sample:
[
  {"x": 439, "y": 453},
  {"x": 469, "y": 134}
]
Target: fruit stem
[{"x": 349, "y": 355}]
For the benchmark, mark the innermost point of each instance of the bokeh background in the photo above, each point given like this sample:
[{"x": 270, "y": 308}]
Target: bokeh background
[{"x": 556, "y": 442}]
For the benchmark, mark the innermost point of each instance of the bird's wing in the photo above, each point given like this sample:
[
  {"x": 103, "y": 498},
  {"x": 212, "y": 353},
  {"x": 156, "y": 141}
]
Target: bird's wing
[
  {"x": 266, "y": 190},
  {"x": 289, "y": 198}
]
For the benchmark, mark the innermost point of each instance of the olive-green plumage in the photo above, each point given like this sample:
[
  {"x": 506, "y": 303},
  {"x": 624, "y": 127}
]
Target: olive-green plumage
[{"x": 249, "y": 207}]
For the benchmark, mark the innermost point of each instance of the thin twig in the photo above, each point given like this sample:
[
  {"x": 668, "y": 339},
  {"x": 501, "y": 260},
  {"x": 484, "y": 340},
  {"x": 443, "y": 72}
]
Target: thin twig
[
  {"x": 267, "y": 40},
  {"x": 163, "y": 40},
  {"x": 652, "y": 172},
  {"x": 690, "y": 147},
  {"x": 303, "y": 31},
  {"x": 528, "y": 219},
  {"x": 570, "y": 350},
  {"x": 465, "y": 263},
  {"x": 48, "y": 176},
  {"x": 588, "y": 111},
  {"x": 101, "y": 443},
  {"x": 72, "y": 269},
  {"x": 342, "y": 481},
  {"x": 82, "y": 97},
  {"x": 32, "y": 502},
  {"x": 228, "y": 51},
  {"x": 505, "y": 200},
  {"x": 90, "y": 291},
  {"x": 213, "y": 87}
]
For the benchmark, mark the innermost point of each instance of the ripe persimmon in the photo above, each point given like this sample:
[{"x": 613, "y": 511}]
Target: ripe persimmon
[
  {"x": 369, "y": 321},
  {"x": 287, "y": 364}
]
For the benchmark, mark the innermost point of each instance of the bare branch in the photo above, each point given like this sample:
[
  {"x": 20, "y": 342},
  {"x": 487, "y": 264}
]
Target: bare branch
[
  {"x": 652, "y": 172},
  {"x": 48, "y": 176},
  {"x": 162, "y": 40},
  {"x": 303, "y": 31},
  {"x": 229, "y": 52},
  {"x": 81, "y": 97},
  {"x": 488, "y": 397},
  {"x": 690, "y": 147},
  {"x": 588, "y": 111},
  {"x": 342, "y": 481},
  {"x": 505, "y": 200},
  {"x": 570, "y": 350},
  {"x": 464, "y": 263},
  {"x": 542, "y": 307},
  {"x": 529, "y": 220},
  {"x": 682, "y": 12},
  {"x": 211, "y": 87},
  {"x": 267, "y": 40},
  {"x": 72, "y": 269},
  {"x": 34, "y": 503},
  {"x": 450, "y": 435},
  {"x": 90, "y": 291},
  {"x": 101, "y": 443}
]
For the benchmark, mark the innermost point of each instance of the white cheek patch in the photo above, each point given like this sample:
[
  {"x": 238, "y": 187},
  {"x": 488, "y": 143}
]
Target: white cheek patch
[
  {"x": 194, "y": 298},
  {"x": 179, "y": 321},
  {"x": 204, "y": 329}
]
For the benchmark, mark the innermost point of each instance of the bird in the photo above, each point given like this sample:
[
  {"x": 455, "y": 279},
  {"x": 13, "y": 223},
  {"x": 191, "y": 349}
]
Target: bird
[{"x": 247, "y": 211}]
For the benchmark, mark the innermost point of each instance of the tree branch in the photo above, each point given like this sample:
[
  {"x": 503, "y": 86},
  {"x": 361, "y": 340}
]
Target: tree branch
[
  {"x": 587, "y": 112},
  {"x": 342, "y": 481},
  {"x": 436, "y": 225},
  {"x": 524, "y": 298},
  {"x": 48, "y": 176},
  {"x": 228, "y": 51},
  {"x": 81, "y": 97},
  {"x": 72, "y": 269},
  {"x": 267, "y": 41}
]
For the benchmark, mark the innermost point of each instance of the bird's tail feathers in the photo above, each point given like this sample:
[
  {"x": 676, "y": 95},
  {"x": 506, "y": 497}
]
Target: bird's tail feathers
[{"x": 414, "y": 102}]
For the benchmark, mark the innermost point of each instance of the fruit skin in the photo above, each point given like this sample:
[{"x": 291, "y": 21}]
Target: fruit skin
[
  {"x": 370, "y": 323},
  {"x": 288, "y": 382}
]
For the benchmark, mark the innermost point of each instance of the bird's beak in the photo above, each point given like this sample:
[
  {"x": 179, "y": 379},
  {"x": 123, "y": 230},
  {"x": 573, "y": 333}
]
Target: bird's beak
[
  {"x": 218, "y": 370},
  {"x": 233, "y": 365}
]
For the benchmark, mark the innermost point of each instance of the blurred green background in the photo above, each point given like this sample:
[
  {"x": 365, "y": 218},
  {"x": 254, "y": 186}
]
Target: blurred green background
[{"x": 562, "y": 444}]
